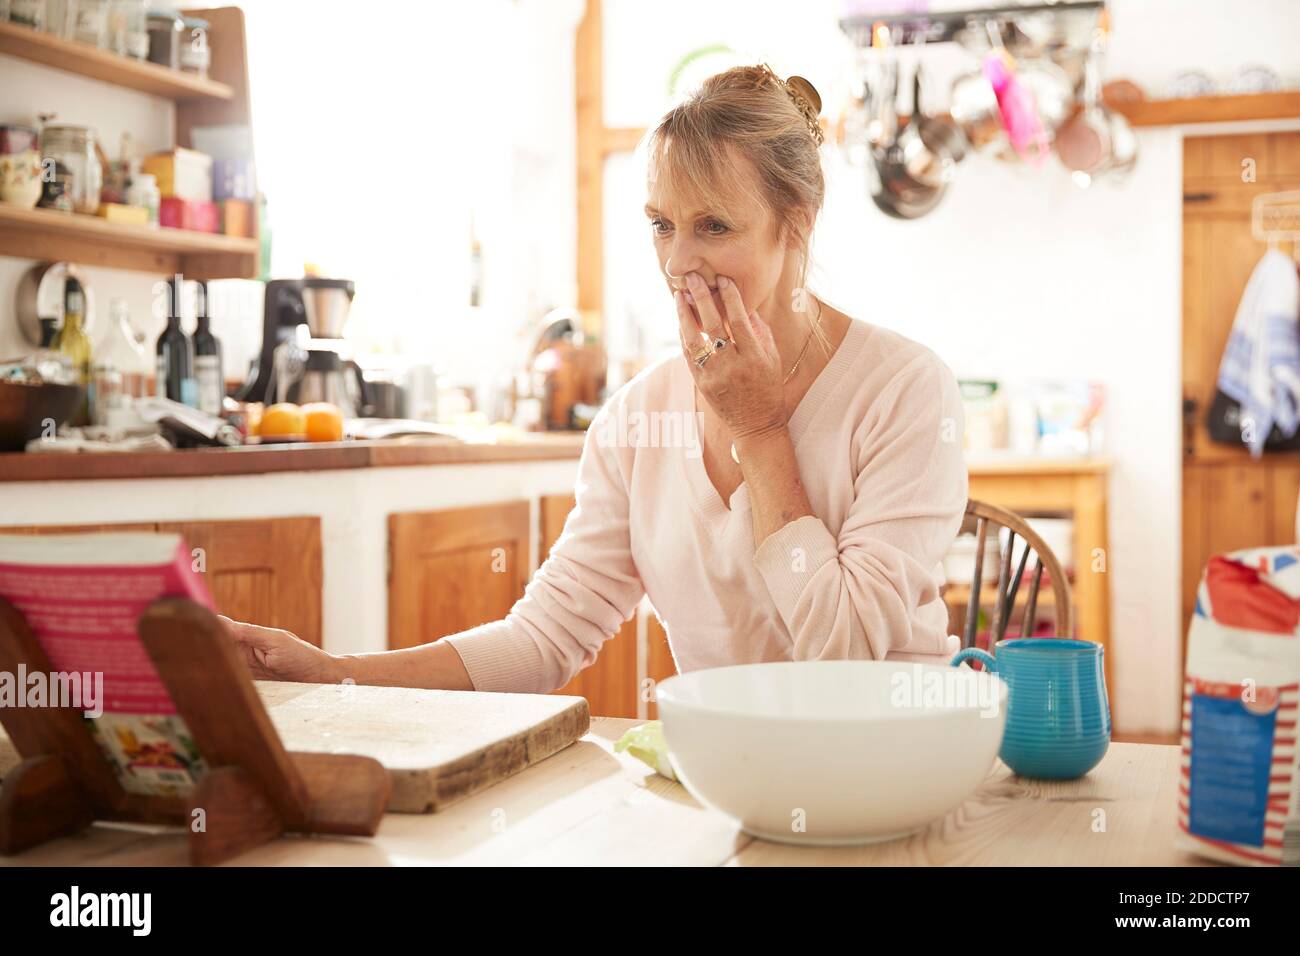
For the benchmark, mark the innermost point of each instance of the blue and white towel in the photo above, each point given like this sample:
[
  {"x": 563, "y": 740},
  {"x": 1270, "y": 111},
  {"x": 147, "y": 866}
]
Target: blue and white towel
[{"x": 1261, "y": 363}]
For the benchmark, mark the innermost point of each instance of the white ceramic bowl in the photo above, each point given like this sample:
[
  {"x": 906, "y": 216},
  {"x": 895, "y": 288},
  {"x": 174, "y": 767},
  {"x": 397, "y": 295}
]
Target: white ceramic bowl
[{"x": 832, "y": 752}]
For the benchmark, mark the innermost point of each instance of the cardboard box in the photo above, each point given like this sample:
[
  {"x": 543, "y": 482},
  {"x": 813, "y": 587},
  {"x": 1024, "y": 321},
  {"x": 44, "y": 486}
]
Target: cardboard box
[
  {"x": 186, "y": 214},
  {"x": 236, "y": 217},
  {"x": 181, "y": 174},
  {"x": 233, "y": 179},
  {"x": 120, "y": 212}
]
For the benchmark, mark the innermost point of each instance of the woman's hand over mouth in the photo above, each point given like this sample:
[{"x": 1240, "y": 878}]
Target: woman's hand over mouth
[{"x": 742, "y": 381}]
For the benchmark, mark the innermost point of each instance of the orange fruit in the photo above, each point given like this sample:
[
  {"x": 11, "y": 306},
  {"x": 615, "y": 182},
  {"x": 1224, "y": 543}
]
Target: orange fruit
[
  {"x": 324, "y": 421},
  {"x": 284, "y": 419}
]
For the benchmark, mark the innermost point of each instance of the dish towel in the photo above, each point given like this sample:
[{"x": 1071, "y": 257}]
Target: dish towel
[{"x": 1261, "y": 364}]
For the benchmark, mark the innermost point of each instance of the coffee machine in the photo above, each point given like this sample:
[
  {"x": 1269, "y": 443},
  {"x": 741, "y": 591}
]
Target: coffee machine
[{"x": 295, "y": 368}]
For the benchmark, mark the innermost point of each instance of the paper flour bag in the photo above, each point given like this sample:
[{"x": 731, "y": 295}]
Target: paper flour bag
[{"x": 1239, "y": 796}]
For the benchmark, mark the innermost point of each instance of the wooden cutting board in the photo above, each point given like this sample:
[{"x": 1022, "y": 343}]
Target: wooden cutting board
[{"x": 438, "y": 745}]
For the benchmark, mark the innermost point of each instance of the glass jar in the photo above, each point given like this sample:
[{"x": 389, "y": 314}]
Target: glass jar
[
  {"x": 195, "y": 57},
  {"x": 30, "y": 13},
  {"x": 106, "y": 393},
  {"x": 92, "y": 22},
  {"x": 143, "y": 191},
  {"x": 60, "y": 18},
  {"x": 74, "y": 147},
  {"x": 128, "y": 28},
  {"x": 165, "y": 29}
]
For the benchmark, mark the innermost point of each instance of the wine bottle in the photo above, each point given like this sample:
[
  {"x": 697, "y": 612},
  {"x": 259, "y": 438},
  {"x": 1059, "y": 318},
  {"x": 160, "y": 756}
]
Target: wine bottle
[
  {"x": 74, "y": 344},
  {"x": 207, "y": 359},
  {"x": 175, "y": 357}
]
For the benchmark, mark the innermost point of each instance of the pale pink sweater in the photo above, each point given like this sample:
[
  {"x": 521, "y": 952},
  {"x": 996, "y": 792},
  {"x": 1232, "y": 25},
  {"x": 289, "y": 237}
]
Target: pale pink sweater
[{"x": 878, "y": 438}]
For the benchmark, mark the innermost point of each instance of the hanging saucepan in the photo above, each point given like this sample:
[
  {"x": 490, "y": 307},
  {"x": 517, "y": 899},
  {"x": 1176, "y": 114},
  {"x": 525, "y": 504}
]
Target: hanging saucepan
[
  {"x": 911, "y": 173},
  {"x": 975, "y": 111},
  {"x": 942, "y": 139},
  {"x": 1083, "y": 143}
]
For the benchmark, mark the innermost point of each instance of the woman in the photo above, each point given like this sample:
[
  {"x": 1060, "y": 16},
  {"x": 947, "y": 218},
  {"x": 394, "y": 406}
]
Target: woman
[{"x": 807, "y": 516}]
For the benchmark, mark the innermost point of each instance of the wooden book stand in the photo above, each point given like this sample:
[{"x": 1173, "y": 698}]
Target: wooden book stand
[{"x": 253, "y": 789}]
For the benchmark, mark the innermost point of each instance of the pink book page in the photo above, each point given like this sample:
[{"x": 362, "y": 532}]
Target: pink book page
[{"x": 84, "y": 616}]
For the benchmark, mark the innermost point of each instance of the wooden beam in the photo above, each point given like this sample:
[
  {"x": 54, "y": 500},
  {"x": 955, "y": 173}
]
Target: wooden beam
[{"x": 589, "y": 63}]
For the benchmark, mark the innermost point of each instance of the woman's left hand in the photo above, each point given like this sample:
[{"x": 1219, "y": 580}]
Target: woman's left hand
[{"x": 741, "y": 382}]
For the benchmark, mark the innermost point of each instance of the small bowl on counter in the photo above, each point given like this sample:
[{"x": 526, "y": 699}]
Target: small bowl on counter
[
  {"x": 27, "y": 410},
  {"x": 832, "y": 752}
]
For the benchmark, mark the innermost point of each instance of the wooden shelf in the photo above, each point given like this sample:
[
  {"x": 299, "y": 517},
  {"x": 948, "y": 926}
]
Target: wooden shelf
[
  {"x": 49, "y": 234},
  {"x": 1210, "y": 109},
  {"x": 73, "y": 56}
]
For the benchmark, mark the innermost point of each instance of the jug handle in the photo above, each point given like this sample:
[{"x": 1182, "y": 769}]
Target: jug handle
[
  {"x": 983, "y": 656},
  {"x": 365, "y": 402}
]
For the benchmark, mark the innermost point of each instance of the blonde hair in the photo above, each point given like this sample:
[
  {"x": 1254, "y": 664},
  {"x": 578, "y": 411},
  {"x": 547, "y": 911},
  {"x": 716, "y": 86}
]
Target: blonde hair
[{"x": 769, "y": 121}]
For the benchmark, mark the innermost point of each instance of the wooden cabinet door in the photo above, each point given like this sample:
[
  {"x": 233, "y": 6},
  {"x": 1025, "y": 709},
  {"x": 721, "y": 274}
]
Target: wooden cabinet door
[
  {"x": 660, "y": 664},
  {"x": 1230, "y": 500},
  {"x": 610, "y": 684},
  {"x": 455, "y": 569},
  {"x": 265, "y": 571}
]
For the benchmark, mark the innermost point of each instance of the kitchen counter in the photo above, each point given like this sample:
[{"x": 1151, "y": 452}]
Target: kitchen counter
[
  {"x": 589, "y": 805},
  {"x": 266, "y": 459}
]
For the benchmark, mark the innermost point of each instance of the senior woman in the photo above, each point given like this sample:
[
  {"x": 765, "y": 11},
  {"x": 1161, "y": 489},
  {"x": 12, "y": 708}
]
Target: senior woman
[{"x": 805, "y": 518}]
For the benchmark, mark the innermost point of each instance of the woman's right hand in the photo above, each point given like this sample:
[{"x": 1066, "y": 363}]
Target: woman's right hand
[{"x": 276, "y": 654}]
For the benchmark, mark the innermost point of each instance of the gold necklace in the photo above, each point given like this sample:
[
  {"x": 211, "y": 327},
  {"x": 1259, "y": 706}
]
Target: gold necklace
[{"x": 793, "y": 368}]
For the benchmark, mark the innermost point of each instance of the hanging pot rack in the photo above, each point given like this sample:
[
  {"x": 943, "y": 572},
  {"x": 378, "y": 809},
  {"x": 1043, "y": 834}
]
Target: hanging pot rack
[{"x": 949, "y": 26}]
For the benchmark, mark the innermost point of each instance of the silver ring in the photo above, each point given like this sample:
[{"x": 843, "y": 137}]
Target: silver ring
[{"x": 719, "y": 344}]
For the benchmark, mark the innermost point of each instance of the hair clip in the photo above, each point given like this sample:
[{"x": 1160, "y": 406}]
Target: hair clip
[{"x": 809, "y": 102}]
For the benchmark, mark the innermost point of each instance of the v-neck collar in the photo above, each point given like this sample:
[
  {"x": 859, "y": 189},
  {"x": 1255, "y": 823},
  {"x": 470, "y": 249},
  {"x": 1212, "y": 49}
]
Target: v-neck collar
[{"x": 706, "y": 498}]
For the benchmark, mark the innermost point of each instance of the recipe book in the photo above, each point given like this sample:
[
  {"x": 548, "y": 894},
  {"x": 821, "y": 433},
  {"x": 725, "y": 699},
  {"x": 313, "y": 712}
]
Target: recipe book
[{"x": 82, "y": 595}]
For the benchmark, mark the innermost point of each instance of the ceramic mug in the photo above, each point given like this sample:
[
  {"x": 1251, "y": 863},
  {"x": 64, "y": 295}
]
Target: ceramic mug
[
  {"x": 1058, "y": 714},
  {"x": 20, "y": 179}
]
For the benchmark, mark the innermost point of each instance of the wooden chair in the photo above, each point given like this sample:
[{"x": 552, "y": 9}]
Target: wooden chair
[{"x": 1008, "y": 585}]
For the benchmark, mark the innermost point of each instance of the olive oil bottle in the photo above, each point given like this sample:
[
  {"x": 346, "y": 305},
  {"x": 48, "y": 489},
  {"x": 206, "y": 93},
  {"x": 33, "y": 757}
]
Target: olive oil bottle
[{"x": 73, "y": 343}]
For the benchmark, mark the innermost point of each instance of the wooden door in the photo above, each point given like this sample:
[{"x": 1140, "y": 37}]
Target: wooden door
[
  {"x": 610, "y": 684},
  {"x": 455, "y": 569},
  {"x": 265, "y": 571},
  {"x": 1230, "y": 501}
]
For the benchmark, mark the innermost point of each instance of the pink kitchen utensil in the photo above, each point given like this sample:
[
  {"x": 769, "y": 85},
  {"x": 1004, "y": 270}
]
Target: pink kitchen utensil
[{"x": 1017, "y": 108}]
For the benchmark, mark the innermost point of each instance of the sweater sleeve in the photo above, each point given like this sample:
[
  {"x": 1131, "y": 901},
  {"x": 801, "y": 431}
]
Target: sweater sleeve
[
  {"x": 580, "y": 596},
  {"x": 856, "y": 595}
]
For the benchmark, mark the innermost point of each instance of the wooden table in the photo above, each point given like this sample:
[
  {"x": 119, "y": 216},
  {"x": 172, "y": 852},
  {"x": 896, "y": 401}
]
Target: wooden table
[{"x": 589, "y": 805}]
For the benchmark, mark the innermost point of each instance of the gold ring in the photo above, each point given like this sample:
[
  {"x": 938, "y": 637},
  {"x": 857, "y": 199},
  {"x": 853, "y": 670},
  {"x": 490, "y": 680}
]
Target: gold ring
[{"x": 703, "y": 356}]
